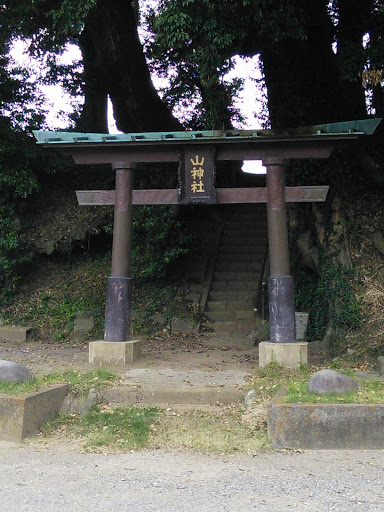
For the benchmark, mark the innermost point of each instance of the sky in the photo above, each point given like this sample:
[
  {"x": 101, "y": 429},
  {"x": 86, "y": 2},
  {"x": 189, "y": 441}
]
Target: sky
[{"x": 59, "y": 102}]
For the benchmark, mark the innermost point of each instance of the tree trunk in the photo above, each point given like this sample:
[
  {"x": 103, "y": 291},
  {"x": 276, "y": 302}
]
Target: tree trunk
[
  {"x": 301, "y": 74},
  {"x": 94, "y": 116},
  {"x": 115, "y": 65},
  {"x": 353, "y": 24}
]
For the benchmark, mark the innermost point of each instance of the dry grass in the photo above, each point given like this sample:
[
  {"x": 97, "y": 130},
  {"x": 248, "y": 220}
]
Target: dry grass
[
  {"x": 367, "y": 217},
  {"x": 120, "y": 430},
  {"x": 206, "y": 432}
]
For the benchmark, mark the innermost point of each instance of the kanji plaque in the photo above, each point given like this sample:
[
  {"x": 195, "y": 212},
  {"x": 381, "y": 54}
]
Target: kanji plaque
[{"x": 197, "y": 175}]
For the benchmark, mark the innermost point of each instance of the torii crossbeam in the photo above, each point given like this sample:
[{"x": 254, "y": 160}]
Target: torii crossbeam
[{"x": 197, "y": 153}]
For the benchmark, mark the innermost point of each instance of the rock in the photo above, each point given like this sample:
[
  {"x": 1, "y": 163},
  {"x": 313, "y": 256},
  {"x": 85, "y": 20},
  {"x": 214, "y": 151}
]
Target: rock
[
  {"x": 329, "y": 381},
  {"x": 80, "y": 404},
  {"x": 182, "y": 325},
  {"x": 84, "y": 323},
  {"x": 250, "y": 398},
  {"x": 261, "y": 333},
  {"x": 157, "y": 318},
  {"x": 15, "y": 372},
  {"x": 380, "y": 363},
  {"x": 301, "y": 322}
]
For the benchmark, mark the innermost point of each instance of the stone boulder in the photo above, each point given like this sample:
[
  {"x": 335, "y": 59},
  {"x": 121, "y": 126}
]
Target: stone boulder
[
  {"x": 81, "y": 404},
  {"x": 15, "y": 372},
  {"x": 329, "y": 381}
]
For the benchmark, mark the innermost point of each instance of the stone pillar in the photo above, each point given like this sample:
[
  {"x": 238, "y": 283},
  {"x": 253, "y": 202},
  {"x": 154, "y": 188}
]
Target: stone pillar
[
  {"x": 280, "y": 283},
  {"x": 117, "y": 314},
  {"x": 117, "y": 346}
]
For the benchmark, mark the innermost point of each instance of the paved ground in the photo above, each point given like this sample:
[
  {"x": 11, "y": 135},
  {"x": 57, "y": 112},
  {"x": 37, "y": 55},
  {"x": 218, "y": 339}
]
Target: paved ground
[
  {"x": 58, "y": 478},
  {"x": 39, "y": 477}
]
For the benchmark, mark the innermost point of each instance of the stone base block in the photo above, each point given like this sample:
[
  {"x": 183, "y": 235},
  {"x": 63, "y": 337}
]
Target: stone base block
[
  {"x": 114, "y": 352},
  {"x": 288, "y": 355},
  {"x": 325, "y": 426},
  {"x": 23, "y": 415},
  {"x": 14, "y": 333}
]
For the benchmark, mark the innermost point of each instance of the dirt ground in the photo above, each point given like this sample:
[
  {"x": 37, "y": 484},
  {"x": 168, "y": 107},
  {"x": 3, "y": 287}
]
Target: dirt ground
[
  {"x": 207, "y": 352},
  {"x": 164, "y": 480}
]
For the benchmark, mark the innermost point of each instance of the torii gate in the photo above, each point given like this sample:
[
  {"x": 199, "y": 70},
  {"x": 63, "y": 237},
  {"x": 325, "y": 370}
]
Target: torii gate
[{"x": 197, "y": 153}]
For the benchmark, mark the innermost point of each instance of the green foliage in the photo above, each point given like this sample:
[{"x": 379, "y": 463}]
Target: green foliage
[
  {"x": 17, "y": 182},
  {"x": 117, "y": 429},
  {"x": 193, "y": 43},
  {"x": 191, "y": 48},
  {"x": 328, "y": 297},
  {"x": 268, "y": 380},
  {"x": 48, "y": 24},
  {"x": 158, "y": 240},
  {"x": 80, "y": 382},
  {"x": 61, "y": 311},
  {"x": 370, "y": 392},
  {"x": 56, "y": 312}
]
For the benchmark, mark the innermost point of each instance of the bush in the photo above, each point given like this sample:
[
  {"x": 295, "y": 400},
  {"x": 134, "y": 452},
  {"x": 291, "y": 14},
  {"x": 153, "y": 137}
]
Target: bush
[{"x": 17, "y": 181}]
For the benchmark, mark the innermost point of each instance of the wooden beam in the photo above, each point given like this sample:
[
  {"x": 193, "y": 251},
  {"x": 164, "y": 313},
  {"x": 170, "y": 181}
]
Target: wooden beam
[
  {"x": 224, "y": 196},
  {"x": 259, "y": 150}
]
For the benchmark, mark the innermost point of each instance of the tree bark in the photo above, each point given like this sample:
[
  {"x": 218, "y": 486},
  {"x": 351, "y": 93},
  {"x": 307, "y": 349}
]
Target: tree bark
[
  {"x": 301, "y": 74},
  {"x": 353, "y": 24},
  {"x": 115, "y": 65}
]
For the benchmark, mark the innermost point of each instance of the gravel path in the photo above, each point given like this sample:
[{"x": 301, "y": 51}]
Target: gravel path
[{"x": 36, "y": 478}]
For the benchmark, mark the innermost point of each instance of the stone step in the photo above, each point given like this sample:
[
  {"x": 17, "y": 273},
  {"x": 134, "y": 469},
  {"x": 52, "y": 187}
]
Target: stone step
[
  {"x": 220, "y": 316},
  {"x": 239, "y": 267},
  {"x": 235, "y": 276},
  {"x": 228, "y": 316},
  {"x": 234, "y": 327},
  {"x": 239, "y": 258},
  {"x": 234, "y": 250},
  {"x": 251, "y": 245},
  {"x": 231, "y": 305},
  {"x": 230, "y": 295},
  {"x": 246, "y": 220},
  {"x": 243, "y": 239},
  {"x": 235, "y": 285},
  {"x": 245, "y": 232},
  {"x": 249, "y": 216}
]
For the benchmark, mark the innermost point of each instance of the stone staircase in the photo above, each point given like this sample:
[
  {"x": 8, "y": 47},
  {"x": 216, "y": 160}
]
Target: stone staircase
[{"x": 230, "y": 307}]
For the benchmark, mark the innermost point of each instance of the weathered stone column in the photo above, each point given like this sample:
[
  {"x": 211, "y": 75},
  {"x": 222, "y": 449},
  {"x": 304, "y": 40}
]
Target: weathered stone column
[
  {"x": 117, "y": 314},
  {"x": 117, "y": 346},
  {"x": 280, "y": 283}
]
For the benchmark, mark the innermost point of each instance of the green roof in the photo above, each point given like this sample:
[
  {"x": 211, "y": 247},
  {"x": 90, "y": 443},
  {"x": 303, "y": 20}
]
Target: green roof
[{"x": 360, "y": 127}]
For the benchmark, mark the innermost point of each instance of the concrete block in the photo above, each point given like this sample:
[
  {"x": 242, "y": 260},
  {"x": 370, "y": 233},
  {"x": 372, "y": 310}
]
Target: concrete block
[
  {"x": 380, "y": 364},
  {"x": 14, "y": 333},
  {"x": 22, "y": 415},
  {"x": 301, "y": 322},
  {"x": 84, "y": 324},
  {"x": 114, "y": 352},
  {"x": 183, "y": 325},
  {"x": 325, "y": 426},
  {"x": 288, "y": 355}
]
